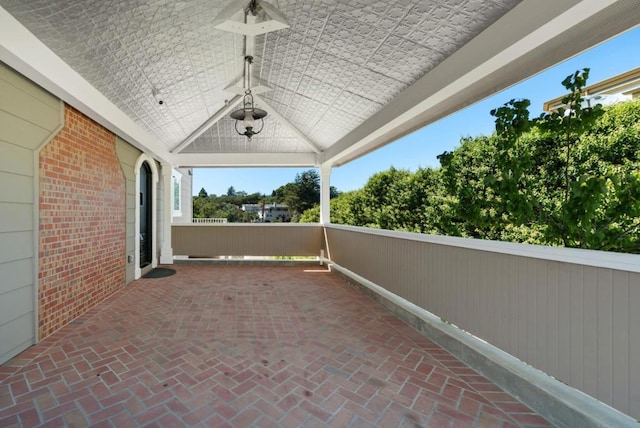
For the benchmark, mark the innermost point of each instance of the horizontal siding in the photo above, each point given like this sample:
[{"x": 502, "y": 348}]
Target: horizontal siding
[
  {"x": 128, "y": 156},
  {"x": 21, "y": 132},
  {"x": 15, "y": 217},
  {"x": 27, "y": 106},
  {"x": 577, "y": 323},
  {"x": 15, "y": 246},
  {"x": 16, "y": 336},
  {"x": 13, "y": 302},
  {"x": 15, "y": 274},
  {"x": 16, "y": 188},
  {"x": 15, "y": 159},
  {"x": 247, "y": 240},
  {"x": 29, "y": 116},
  {"x": 29, "y": 91}
]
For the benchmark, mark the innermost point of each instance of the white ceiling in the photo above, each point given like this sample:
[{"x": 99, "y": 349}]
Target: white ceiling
[{"x": 346, "y": 77}]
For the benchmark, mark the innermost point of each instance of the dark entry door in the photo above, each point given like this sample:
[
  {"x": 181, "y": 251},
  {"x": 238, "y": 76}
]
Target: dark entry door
[{"x": 146, "y": 224}]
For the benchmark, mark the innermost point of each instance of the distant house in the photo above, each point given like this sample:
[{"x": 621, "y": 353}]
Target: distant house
[
  {"x": 275, "y": 213},
  {"x": 251, "y": 208},
  {"x": 623, "y": 87},
  {"x": 269, "y": 213}
]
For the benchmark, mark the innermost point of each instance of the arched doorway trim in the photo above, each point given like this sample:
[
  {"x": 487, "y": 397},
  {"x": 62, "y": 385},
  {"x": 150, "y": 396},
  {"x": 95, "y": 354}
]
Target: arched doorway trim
[{"x": 154, "y": 229}]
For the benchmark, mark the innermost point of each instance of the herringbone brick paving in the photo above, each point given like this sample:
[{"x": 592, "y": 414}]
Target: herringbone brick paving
[{"x": 217, "y": 346}]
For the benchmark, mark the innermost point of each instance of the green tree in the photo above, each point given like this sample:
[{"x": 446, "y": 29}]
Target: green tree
[
  {"x": 474, "y": 205},
  {"x": 555, "y": 177},
  {"x": 345, "y": 208},
  {"x": 302, "y": 194},
  {"x": 379, "y": 196},
  {"x": 225, "y": 206}
]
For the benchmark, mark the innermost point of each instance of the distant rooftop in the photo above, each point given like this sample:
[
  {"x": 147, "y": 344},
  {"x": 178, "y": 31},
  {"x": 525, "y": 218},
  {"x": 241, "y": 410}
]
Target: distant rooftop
[{"x": 621, "y": 87}]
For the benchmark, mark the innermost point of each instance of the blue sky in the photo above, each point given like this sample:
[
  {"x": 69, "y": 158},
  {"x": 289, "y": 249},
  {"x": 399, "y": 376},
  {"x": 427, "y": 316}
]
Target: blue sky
[{"x": 421, "y": 148}]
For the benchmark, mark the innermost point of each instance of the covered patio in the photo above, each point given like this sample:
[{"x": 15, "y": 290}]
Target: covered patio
[
  {"x": 105, "y": 109},
  {"x": 239, "y": 346}
]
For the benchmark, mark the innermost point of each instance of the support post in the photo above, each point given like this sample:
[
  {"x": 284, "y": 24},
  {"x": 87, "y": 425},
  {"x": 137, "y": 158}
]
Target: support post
[
  {"x": 166, "y": 250},
  {"x": 325, "y": 194}
]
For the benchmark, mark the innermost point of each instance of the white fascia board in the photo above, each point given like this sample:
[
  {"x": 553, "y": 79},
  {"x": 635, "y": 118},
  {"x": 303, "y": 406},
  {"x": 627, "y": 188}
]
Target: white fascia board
[
  {"x": 25, "y": 53},
  {"x": 522, "y": 30},
  {"x": 239, "y": 160}
]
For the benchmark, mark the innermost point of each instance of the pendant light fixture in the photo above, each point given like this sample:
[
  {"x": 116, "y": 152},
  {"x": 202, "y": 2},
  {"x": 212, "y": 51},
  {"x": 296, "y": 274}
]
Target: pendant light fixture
[{"x": 248, "y": 114}]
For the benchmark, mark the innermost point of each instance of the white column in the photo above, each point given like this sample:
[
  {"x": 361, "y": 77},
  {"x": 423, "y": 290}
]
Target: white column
[
  {"x": 325, "y": 194},
  {"x": 166, "y": 251}
]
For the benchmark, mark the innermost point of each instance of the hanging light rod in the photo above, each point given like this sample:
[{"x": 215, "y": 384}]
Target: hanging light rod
[{"x": 248, "y": 114}]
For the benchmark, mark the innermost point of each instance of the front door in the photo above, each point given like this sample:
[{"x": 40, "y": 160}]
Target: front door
[{"x": 146, "y": 223}]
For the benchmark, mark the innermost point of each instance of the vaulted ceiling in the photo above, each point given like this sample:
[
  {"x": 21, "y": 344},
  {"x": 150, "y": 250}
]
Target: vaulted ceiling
[{"x": 345, "y": 76}]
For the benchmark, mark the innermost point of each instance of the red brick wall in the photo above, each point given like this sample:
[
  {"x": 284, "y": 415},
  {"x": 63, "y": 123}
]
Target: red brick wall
[{"x": 82, "y": 222}]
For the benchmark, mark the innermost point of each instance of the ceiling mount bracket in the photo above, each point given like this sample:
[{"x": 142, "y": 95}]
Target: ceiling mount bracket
[{"x": 227, "y": 18}]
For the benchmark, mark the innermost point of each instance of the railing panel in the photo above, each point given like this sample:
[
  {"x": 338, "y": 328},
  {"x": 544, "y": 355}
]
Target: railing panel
[
  {"x": 577, "y": 321},
  {"x": 247, "y": 239}
]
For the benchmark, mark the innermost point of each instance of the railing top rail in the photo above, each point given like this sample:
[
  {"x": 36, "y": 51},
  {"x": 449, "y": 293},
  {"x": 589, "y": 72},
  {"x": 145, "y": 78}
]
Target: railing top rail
[{"x": 604, "y": 259}]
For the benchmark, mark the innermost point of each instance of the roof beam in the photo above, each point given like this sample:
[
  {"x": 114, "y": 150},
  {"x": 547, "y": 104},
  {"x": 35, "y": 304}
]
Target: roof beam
[
  {"x": 195, "y": 160},
  {"x": 284, "y": 122},
  {"x": 207, "y": 124}
]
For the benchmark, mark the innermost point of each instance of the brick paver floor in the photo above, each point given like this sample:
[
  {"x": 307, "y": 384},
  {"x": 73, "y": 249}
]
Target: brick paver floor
[{"x": 247, "y": 346}]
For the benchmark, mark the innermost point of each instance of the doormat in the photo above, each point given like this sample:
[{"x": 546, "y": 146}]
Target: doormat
[{"x": 159, "y": 273}]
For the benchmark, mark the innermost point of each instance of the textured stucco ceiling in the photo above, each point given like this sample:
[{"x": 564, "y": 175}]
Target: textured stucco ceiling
[
  {"x": 337, "y": 64},
  {"x": 346, "y": 77}
]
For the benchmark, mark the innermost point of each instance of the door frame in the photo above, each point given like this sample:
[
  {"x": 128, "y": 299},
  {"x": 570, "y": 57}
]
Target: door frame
[{"x": 154, "y": 226}]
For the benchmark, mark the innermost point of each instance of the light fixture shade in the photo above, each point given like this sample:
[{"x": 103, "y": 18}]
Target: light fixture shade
[
  {"x": 240, "y": 114},
  {"x": 248, "y": 115}
]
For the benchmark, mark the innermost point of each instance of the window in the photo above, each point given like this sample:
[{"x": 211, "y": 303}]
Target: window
[{"x": 176, "y": 178}]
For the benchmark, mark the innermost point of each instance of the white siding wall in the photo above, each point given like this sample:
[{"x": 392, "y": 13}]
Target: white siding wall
[
  {"x": 29, "y": 117},
  {"x": 186, "y": 198},
  {"x": 128, "y": 155}
]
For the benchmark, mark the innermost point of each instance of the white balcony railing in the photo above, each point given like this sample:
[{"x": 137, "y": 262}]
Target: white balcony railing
[{"x": 208, "y": 220}]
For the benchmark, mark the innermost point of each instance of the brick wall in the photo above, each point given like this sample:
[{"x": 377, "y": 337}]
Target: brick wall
[{"x": 82, "y": 222}]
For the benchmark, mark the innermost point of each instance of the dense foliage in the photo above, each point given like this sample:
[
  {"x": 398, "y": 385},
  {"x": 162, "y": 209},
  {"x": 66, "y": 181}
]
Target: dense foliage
[
  {"x": 226, "y": 206},
  {"x": 568, "y": 178},
  {"x": 300, "y": 195}
]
